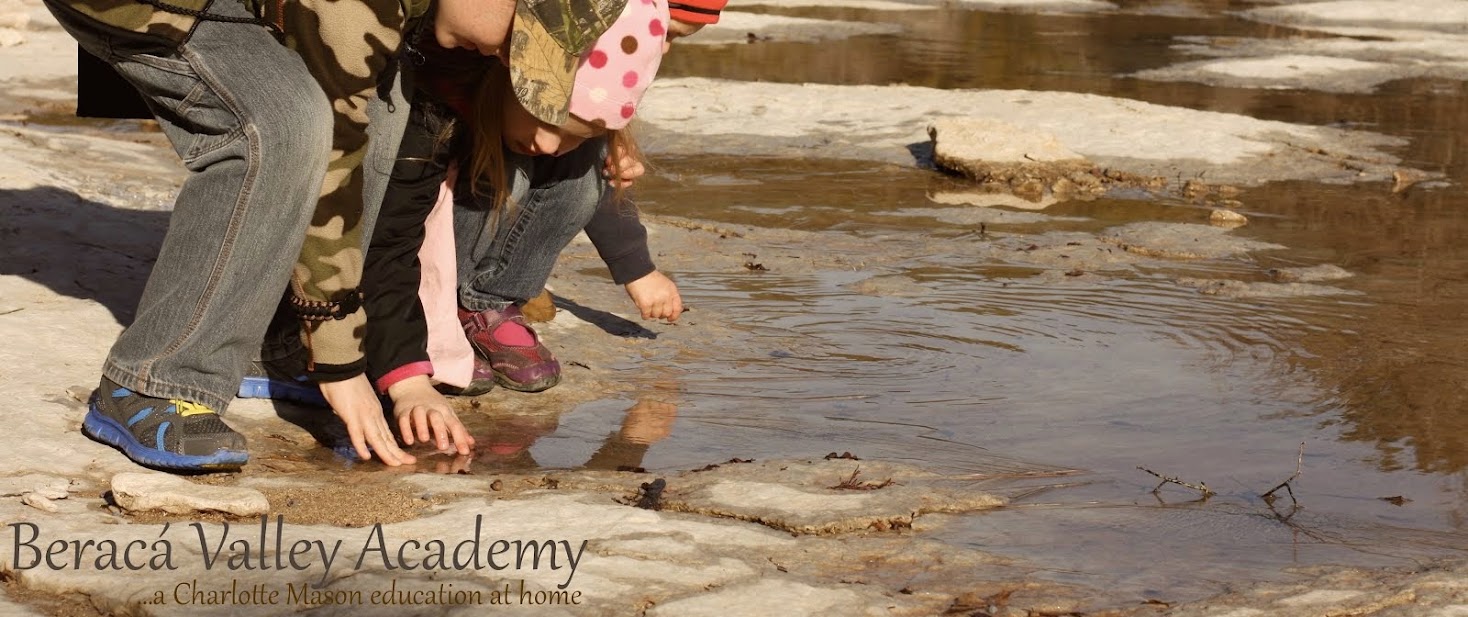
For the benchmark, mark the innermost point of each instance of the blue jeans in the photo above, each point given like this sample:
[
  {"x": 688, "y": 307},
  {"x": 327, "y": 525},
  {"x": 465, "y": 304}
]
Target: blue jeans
[
  {"x": 506, "y": 255},
  {"x": 254, "y": 128}
]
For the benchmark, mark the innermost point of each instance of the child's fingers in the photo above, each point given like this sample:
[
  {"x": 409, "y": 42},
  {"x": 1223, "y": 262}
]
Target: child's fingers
[
  {"x": 405, "y": 427},
  {"x": 359, "y": 443},
  {"x": 421, "y": 415},
  {"x": 387, "y": 448},
  {"x": 383, "y": 454},
  {"x": 439, "y": 430},
  {"x": 664, "y": 309},
  {"x": 462, "y": 441}
]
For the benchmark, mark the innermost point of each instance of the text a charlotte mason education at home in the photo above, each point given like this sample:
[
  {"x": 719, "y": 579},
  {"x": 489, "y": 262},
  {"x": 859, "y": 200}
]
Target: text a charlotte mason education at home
[
  {"x": 405, "y": 593},
  {"x": 240, "y": 548}
]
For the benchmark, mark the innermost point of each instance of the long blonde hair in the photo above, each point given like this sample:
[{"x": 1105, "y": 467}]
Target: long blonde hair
[{"x": 485, "y": 130}]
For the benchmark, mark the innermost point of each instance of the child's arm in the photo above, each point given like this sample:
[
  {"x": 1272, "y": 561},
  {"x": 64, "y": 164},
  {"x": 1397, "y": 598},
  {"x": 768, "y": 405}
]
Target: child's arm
[
  {"x": 348, "y": 47},
  {"x": 621, "y": 240},
  {"x": 397, "y": 330}
]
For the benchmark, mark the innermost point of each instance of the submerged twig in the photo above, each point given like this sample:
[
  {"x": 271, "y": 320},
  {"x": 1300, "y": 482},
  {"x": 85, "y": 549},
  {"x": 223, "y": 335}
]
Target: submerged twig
[
  {"x": 1299, "y": 465},
  {"x": 851, "y": 483},
  {"x": 1201, "y": 487}
]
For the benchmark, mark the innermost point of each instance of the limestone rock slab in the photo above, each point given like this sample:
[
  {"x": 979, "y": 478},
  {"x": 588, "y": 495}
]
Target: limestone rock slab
[{"x": 158, "y": 491}]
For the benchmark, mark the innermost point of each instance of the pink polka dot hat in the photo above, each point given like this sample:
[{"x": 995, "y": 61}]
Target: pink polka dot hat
[{"x": 612, "y": 76}]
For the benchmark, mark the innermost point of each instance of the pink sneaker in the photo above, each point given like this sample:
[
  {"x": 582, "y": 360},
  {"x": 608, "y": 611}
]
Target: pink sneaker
[{"x": 528, "y": 368}]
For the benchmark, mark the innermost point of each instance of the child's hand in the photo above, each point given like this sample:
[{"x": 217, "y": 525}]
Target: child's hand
[
  {"x": 656, "y": 296},
  {"x": 678, "y": 29},
  {"x": 356, "y": 404},
  {"x": 423, "y": 412},
  {"x": 622, "y": 168}
]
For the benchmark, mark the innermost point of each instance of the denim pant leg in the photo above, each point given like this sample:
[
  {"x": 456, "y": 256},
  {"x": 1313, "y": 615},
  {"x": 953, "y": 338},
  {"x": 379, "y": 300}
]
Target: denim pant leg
[
  {"x": 252, "y": 126},
  {"x": 387, "y": 120},
  {"x": 506, "y": 255}
]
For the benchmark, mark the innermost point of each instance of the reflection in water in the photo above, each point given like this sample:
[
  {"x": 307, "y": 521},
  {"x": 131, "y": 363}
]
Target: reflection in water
[
  {"x": 1398, "y": 370},
  {"x": 505, "y": 440}
]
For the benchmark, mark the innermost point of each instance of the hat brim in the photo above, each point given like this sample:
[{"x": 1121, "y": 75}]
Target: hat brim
[{"x": 542, "y": 72}]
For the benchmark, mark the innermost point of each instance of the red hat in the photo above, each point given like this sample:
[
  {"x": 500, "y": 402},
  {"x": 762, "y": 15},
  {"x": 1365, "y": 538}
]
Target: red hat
[{"x": 697, "y": 11}]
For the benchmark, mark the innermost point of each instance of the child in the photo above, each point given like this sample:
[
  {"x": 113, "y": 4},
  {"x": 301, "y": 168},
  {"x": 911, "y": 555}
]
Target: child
[
  {"x": 270, "y": 127},
  {"x": 504, "y": 264},
  {"x": 433, "y": 141},
  {"x": 509, "y": 154}
]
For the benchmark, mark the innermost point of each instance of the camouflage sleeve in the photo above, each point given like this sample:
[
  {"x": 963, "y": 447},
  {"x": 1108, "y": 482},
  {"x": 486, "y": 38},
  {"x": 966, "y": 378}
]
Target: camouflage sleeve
[
  {"x": 347, "y": 45},
  {"x": 140, "y": 28}
]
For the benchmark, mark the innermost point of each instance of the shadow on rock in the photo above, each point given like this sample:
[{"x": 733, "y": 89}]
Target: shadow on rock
[
  {"x": 922, "y": 154},
  {"x": 609, "y": 323},
  {"x": 79, "y": 248}
]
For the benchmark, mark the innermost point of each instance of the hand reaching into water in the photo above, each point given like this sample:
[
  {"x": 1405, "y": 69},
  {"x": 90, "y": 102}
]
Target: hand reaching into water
[
  {"x": 355, "y": 402},
  {"x": 656, "y": 296},
  {"x": 425, "y": 414}
]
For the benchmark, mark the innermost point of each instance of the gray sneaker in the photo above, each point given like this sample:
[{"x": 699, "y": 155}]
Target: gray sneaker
[{"x": 164, "y": 434}]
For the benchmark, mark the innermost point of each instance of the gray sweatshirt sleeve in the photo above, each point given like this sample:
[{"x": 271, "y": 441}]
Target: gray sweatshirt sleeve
[{"x": 620, "y": 239}]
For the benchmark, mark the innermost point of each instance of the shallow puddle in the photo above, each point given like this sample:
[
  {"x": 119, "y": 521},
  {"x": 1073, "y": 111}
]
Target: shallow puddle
[
  {"x": 933, "y": 350},
  {"x": 984, "y": 366}
]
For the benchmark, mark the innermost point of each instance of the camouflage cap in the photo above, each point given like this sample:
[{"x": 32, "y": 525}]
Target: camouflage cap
[{"x": 546, "y": 43}]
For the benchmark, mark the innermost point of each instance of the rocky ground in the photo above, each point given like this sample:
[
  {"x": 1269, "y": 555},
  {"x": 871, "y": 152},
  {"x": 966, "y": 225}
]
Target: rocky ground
[{"x": 89, "y": 533}]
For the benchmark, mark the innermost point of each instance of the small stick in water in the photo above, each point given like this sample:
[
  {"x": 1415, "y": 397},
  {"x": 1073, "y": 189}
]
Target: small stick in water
[
  {"x": 1299, "y": 464},
  {"x": 1201, "y": 487}
]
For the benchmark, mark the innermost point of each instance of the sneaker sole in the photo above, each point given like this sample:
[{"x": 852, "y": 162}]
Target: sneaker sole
[
  {"x": 534, "y": 386},
  {"x": 108, "y": 431},
  {"x": 265, "y": 387},
  {"x": 478, "y": 387}
]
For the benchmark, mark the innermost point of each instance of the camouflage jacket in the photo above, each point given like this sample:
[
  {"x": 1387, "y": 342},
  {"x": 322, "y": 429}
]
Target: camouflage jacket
[{"x": 348, "y": 45}]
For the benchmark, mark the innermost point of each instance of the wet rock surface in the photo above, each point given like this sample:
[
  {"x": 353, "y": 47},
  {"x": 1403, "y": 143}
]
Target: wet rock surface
[
  {"x": 821, "y": 497},
  {"x": 1437, "y": 590},
  {"x": 1180, "y": 241},
  {"x": 889, "y": 123},
  {"x": 1001, "y": 156},
  {"x": 626, "y": 556}
]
